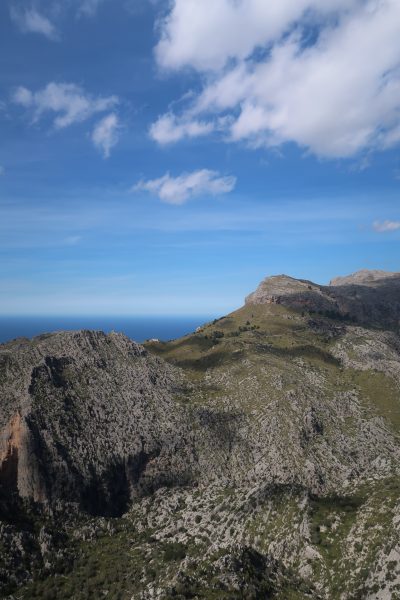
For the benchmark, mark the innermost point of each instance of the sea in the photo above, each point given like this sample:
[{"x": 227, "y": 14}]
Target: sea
[{"x": 137, "y": 328}]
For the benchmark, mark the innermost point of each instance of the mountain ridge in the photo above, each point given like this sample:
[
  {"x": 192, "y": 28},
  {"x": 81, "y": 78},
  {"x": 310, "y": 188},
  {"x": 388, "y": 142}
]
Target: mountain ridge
[
  {"x": 363, "y": 277},
  {"x": 370, "y": 298}
]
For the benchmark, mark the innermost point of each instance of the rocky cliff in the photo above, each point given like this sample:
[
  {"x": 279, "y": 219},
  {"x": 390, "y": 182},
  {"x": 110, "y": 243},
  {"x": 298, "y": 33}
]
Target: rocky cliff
[
  {"x": 89, "y": 419},
  {"x": 258, "y": 457}
]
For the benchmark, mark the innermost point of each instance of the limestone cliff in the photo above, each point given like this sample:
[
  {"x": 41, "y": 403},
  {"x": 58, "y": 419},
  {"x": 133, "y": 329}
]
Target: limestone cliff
[{"x": 87, "y": 418}]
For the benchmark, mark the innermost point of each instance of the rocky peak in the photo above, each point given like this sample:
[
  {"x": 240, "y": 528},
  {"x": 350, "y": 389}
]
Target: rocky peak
[
  {"x": 364, "y": 277},
  {"x": 368, "y": 297},
  {"x": 272, "y": 288}
]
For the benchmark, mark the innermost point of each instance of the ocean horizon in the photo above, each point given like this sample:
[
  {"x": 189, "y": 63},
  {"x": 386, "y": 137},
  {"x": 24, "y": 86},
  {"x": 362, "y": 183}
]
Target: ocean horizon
[{"x": 137, "y": 328}]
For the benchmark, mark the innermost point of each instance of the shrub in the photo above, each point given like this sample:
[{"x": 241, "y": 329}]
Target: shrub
[{"x": 174, "y": 551}]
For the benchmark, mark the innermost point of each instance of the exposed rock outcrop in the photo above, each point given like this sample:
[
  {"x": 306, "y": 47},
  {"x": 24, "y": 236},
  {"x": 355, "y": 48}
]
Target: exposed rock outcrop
[
  {"x": 364, "y": 277},
  {"x": 88, "y": 419}
]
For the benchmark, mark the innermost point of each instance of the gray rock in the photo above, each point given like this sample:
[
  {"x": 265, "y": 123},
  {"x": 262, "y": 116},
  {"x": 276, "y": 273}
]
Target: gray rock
[{"x": 88, "y": 418}]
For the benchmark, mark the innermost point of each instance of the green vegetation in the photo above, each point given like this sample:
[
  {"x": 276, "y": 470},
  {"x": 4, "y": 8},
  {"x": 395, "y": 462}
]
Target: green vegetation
[
  {"x": 326, "y": 512},
  {"x": 334, "y": 315},
  {"x": 380, "y": 394}
]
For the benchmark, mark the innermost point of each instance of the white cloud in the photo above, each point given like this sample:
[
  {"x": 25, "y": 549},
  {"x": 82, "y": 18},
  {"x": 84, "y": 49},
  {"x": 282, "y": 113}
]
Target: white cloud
[
  {"x": 69, "y": 102},
  {"x": 205, "y": 34},
  {"x": 335, "y": 95},
  {"x": 168, "y": 129},
  {"x": 23, "y": 96},
  {"x": 31, "y": 21},
  {"x": 105, "y": 134},
  {"x": 177, "y": 190},
  {"x": 386, "y": 226}
]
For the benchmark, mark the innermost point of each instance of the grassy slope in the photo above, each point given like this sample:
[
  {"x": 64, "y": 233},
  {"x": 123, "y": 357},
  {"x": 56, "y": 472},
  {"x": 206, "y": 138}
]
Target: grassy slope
[{"x": 277, "y": 336}]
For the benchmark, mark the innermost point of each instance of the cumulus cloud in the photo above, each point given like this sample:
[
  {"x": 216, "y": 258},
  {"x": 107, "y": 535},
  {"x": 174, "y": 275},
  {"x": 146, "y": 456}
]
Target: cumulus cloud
[
  {"x": 168, "y": 129},
  {"x": 105, "y": 134},
  {"x": 205, "y": 34},
  {"x": 177, "y": 190},
  {"x": 67, "y": 101},
  {"x": 31, "y": 21},
  {"x": 335, "y": 93},
  {"x": 386, "y": 226}
]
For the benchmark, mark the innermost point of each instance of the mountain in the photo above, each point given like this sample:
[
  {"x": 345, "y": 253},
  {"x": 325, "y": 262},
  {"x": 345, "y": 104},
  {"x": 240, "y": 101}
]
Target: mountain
[
  {"x": 258, "y": 457},
  {"x": 77, "y": 420},
  {"x": 369, "y": 298}
]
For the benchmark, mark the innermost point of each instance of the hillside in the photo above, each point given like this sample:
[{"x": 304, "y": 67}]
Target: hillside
[{"x": 258, "y": 457}]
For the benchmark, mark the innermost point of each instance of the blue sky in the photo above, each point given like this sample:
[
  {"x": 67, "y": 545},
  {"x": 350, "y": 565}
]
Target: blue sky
[{"x": 163, "y": 157}]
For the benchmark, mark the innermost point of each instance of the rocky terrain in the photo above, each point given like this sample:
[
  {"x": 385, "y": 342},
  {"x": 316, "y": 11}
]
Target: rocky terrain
[{"x": 258, "y": 457}]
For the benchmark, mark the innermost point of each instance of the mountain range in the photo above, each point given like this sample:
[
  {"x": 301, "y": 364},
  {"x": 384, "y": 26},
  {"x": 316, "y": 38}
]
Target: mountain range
[{"x": 257, "y": 457}]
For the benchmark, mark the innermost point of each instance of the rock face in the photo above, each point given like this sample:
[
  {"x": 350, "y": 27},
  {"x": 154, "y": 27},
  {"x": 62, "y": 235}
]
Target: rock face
[
  {"x": 366, "y": 297},
  {"x": 281, "y": 289},
  {"x": 87, "y": 418}
]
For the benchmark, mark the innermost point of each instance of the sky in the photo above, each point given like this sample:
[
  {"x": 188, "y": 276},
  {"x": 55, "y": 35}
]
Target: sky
[{"x": 161, "y": 157}]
